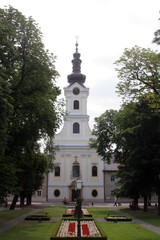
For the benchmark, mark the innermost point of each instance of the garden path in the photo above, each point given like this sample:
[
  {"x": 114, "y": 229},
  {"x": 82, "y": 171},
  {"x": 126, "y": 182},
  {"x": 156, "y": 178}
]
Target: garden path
[{"x": 15, "y": 221}]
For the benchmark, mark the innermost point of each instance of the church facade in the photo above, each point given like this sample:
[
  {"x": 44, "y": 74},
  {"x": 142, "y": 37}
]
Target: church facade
[{"x": 75, "y": 159}]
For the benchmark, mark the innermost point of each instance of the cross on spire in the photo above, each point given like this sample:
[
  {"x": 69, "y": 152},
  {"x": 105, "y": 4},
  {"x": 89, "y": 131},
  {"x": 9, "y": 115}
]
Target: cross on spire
[{"x": 76, "y": 44}]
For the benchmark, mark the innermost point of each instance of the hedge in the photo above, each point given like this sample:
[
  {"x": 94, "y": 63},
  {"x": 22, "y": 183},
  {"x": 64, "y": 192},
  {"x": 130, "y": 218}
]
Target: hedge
[
  {"x": 37, "y": 217},
  {"x": 116, "y": 218}
]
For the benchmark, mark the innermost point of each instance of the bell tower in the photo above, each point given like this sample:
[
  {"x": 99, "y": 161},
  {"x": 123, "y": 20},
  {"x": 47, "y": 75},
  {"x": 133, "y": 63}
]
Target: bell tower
[{"x": 76, "y": 95}]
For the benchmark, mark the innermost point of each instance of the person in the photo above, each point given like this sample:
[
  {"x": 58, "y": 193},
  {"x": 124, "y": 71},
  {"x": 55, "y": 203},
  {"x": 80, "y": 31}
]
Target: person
[
  {"x": 6, "y": 202},
  {"x": 65, "y": 201},
  {"x": 115, "y": 202}
]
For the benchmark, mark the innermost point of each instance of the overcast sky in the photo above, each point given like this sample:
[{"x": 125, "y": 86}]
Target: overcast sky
[{"x": 104, "y": 29}]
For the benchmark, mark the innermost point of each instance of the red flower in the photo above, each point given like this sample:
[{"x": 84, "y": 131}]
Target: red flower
[
  {"x": 85, "y": 229},
  {"x": 72, "y": 211},
  {"x": 71, "y": 228}
]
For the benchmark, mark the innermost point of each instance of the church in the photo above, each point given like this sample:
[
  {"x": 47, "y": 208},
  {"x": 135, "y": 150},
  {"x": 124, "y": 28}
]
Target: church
[{"x": 75, "y": 159}]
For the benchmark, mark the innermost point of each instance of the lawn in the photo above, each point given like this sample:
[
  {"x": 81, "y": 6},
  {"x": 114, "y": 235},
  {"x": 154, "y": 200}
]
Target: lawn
[
  {"x": 127, "y": 231},
  {"x": 29, "y": 231},
  {"x": 6, "y": 215},
  {"x": 101, "y": 212},
  {"x": 149, "y": 217},
  {"x": 43, "y": 230},
  {"x": 53, "y": 211},
  {"x": 122, "y": 230}
]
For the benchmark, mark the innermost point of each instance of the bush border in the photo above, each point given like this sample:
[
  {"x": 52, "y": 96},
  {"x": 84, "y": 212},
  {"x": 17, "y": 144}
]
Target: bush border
[
  {"x": 117, "y": 218},
  {"x": 36, "y": 217}
]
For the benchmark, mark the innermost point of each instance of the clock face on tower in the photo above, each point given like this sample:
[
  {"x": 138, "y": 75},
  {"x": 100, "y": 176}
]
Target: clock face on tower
[{"x": 76, "y": 91}]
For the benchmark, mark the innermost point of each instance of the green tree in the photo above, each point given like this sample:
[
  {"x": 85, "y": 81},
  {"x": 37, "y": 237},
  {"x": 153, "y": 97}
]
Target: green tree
[
  {"x": 30, "y": 72},
  {"x": 7, "y": 170},
  {"x": 139, "y": 73},
  {"x": 137, "y": 149},
  {"x": 131, "y": 136},
  {"x": 157, "y": 37},
  {"x": 103, "y": 131}
]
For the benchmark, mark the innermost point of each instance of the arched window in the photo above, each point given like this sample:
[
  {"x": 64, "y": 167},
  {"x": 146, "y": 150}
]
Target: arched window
[
  {"x": 76, "y": 104},
  {"x": 94, "y": 171},
  {"x": 57, "y": 171},
  {"x": 76, "y": 170},
  {"x": 76, "y": 127}
]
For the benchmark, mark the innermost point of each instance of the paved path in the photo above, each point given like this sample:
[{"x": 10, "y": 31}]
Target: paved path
[
  {"x": 140, "y": 222},
  {"x": 15, "y": 221}
]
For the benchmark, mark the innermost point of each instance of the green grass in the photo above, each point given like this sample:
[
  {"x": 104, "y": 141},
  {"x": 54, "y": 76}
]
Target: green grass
[
  {"x": 149, "y": 217},
  {"x": 53, "y": 211},
  {"x": 29, "y": 231},
  {"x": 101, "y": 212},
  {"x": 114, "y": 231},
  {"x": 7, "y": 215},
  {"x": 127, "y": 231}
]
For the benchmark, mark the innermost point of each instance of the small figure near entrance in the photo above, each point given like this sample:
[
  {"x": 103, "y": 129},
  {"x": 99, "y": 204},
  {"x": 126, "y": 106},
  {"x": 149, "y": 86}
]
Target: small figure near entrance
[{"x": 65, "y": 201}]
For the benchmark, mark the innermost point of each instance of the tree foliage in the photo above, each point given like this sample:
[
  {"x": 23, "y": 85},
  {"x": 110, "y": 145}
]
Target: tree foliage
[
  {"x": 104, "y": 130},
  {"x": 137, "y": 151},
  {"x": 139, "y": 73},
  {"x": 28, "y": 74}
]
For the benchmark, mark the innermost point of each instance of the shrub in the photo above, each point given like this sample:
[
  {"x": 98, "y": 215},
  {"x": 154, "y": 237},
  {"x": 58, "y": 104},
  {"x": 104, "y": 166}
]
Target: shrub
[
  {"x": 38, "y": 217},
  {"x": 115, "y": 218}
]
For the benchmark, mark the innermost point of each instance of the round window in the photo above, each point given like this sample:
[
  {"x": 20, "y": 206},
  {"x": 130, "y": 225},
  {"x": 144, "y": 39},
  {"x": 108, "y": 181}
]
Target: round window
[
  {"x": 76, "y": 91},
  {"x": 94, "y": 193},
  {"x": 56, "y": 193}
]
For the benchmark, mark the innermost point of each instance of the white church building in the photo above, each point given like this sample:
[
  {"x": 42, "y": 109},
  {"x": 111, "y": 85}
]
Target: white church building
[{"x": 75, "y": 159}]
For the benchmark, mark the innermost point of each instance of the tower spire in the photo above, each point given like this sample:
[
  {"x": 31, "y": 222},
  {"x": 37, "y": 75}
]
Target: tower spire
[
  {"x": 76, "y": 44},
  {"x": 76, "y": 75}
]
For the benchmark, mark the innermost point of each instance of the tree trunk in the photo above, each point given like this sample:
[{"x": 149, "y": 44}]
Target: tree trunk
[
  {"x": 47, "y": 187},
  {"x": 29, "y": 200},
  {"x": 158, "y": 204},
  {"x": 145, "y": 203},
  {"x": 21, "y": 200},
  {"x": 14, "y": 201},
  {"x": 149, "y": 200}
]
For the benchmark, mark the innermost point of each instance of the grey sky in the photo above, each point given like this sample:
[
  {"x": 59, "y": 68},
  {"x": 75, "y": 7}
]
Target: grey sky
[{"x": 104, "y": 27}]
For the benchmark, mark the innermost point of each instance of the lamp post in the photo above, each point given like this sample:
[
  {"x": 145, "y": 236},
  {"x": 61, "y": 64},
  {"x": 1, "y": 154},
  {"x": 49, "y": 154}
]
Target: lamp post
[{"x": 78, "y": 210}]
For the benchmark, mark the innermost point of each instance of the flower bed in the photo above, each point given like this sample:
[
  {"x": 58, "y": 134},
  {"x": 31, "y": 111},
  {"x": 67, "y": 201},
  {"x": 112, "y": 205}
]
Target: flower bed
[
  {"x": 118, "y": 219},
  {"x": 37, "y": 217},
  {"x": 67, "y": 229},
  {"x": 70, "y": 212}
]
